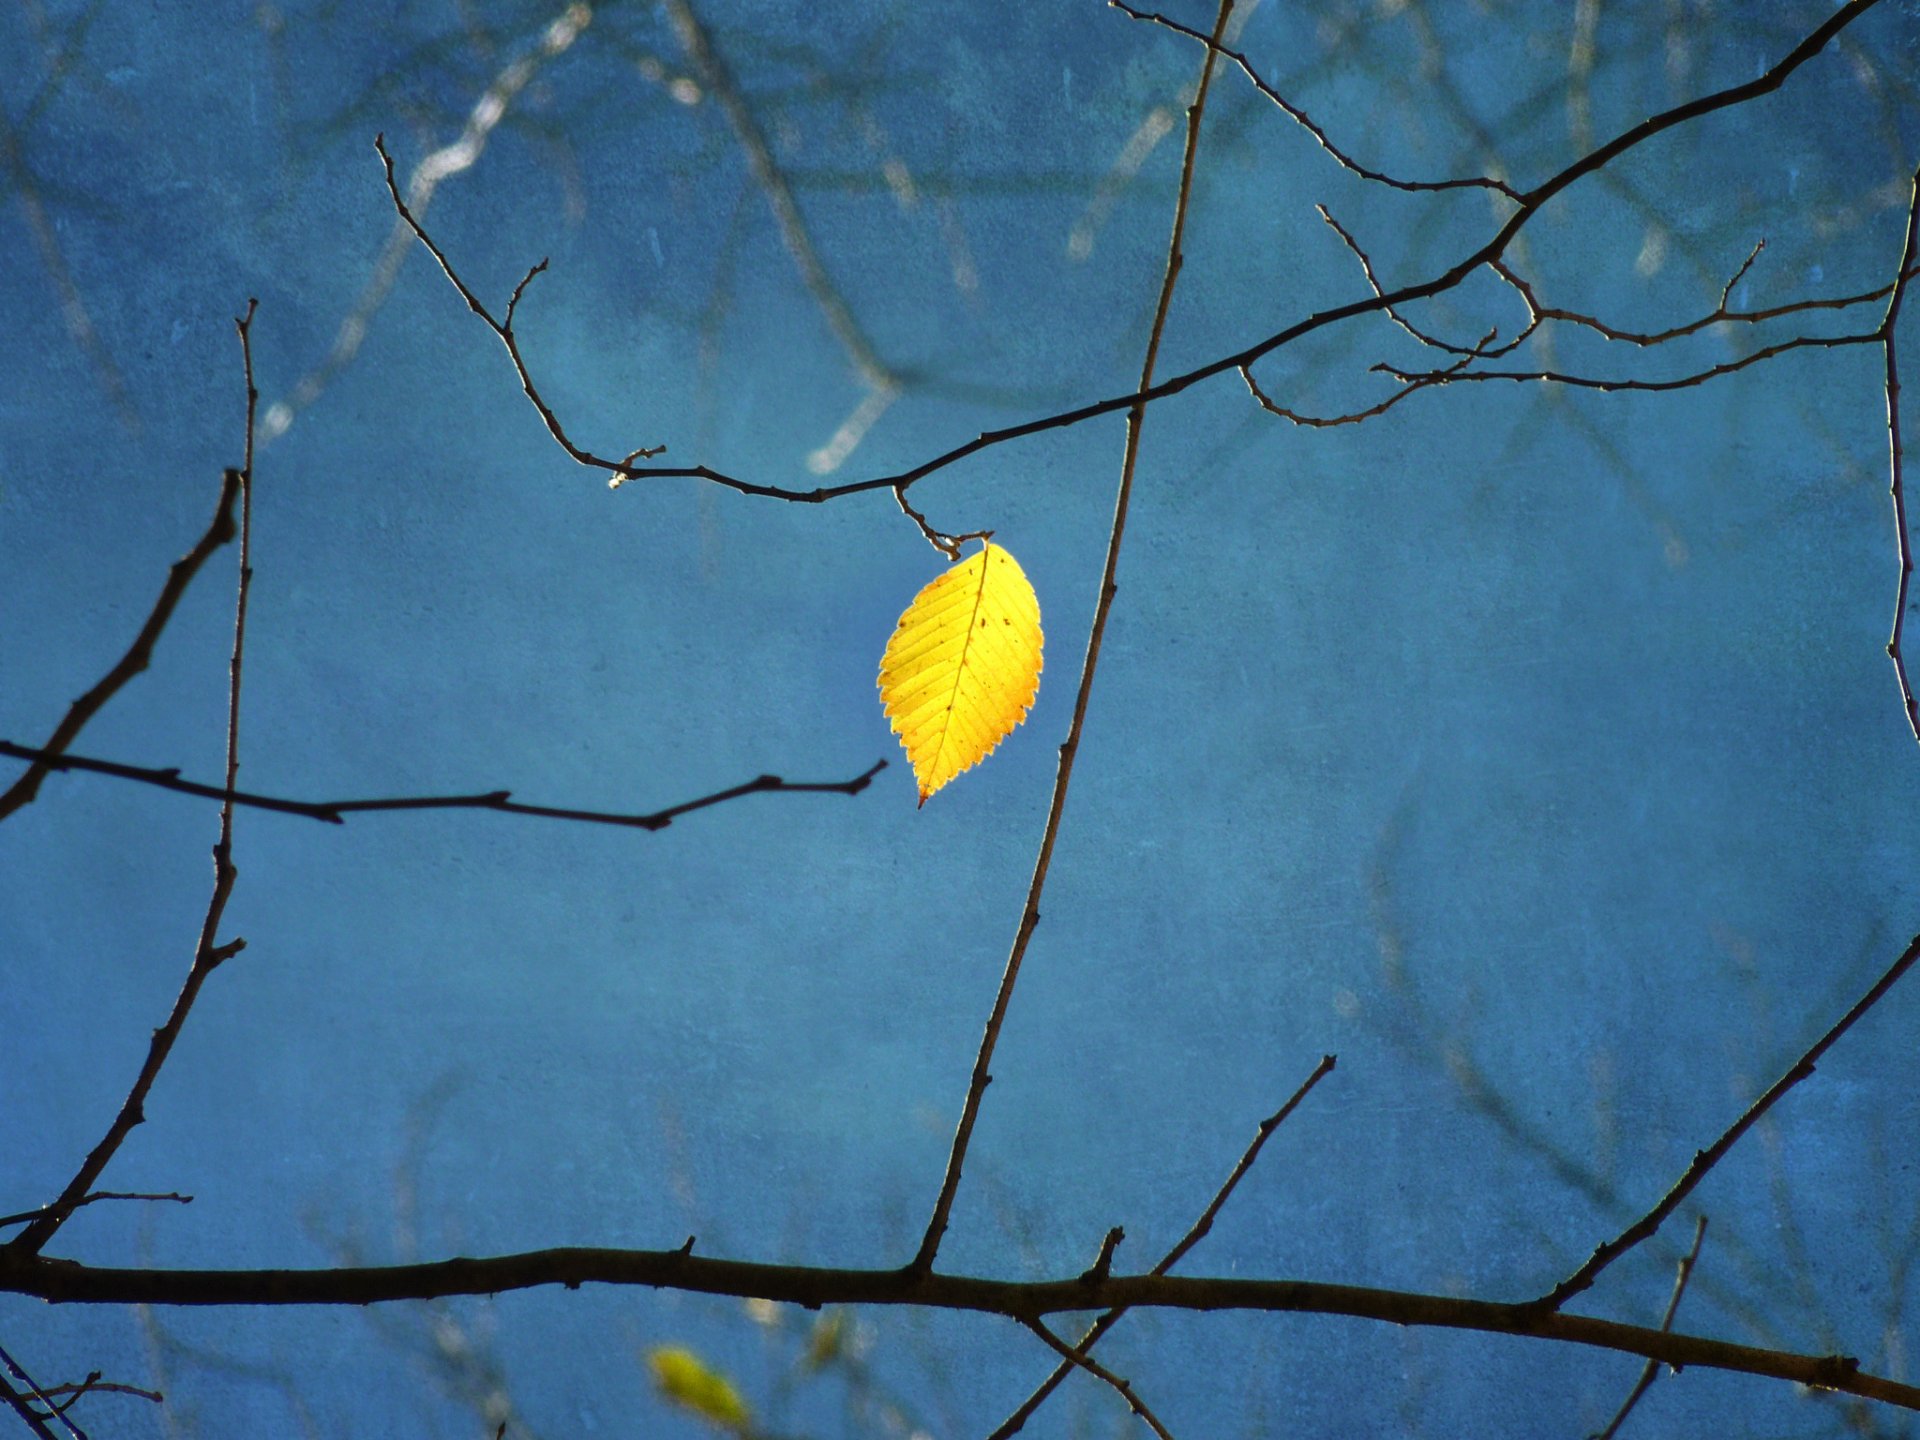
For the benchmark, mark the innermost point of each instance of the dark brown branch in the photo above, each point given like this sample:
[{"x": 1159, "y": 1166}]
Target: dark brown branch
[
  {"x": 458, "y": 155},
  {"x": 922, "y": 1261},
  {"x": 1413, "y": 385},
  {"x": 1895, "y": 459},
  {"x": 335, "y": 812},
  {"x": 1195, "y": 1234},
  {"x": 138, "y": 655},
  {"x": 94, "y": 1385},
  {"x": 22, "y": 1406},
  {"x": 502, "y": 328},
  {"x": 1457, "y": 374},
  {"x": 1530, "y": 203},
  {"x": 1705, "y": 1160},
  {"x": 1301, "y": 118},
  {"x": 69, "y": 1281},
  {"x": 1432, "y": 342},
  {"x": 1075, "y": 1359},
  {"x": 1651, "y": 1370},
  {"x": 93, "y": 1197},
  {"x": 1539, "y": 312},
  {"x": 208, "y": 953}
]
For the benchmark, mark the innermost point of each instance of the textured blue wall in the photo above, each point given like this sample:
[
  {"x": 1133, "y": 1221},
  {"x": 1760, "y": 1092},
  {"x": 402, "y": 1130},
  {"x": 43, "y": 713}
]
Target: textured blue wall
[{"x": 1534, "y": 750}]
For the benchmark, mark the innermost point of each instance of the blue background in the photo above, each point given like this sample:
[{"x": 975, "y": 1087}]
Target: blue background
[{"x": 1536, "y": 751}]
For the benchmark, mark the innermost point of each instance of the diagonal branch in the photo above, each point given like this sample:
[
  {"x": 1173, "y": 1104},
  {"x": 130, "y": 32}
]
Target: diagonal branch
[
  {"x": 1195, "y": 1234},
  {"x": 139, "y": 654},
  {"x": 335, "y": 812},
  {"x": 1075, "y": 1358},
  {"x": 208, "y": 952},
  {"x": 22, "y": 1405},
  {"x": 1704, "y": 1160},
  {"x": 1651, "y": 1370},
  {"x": 922, "y": 1262}
]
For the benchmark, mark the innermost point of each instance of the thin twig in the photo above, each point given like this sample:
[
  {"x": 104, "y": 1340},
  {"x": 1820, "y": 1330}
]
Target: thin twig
[
  {"x": 1433, "y": 342},
  {"x": 21, "y": 1406},
  {"x": 1195, "y": 1234},
  {"x": 1456, "y": 375},
  {"x": 1073, "y": 1358},
  {"x": 335, "y": 812},
  {"x": 458, "y": 155},
  {"x": 1355, "y": 417},
  {"x": 922, "y": 1262},
  {"x": 1895, "y": 459},
  {"x": 70, "y": 1281},
  {"x": 94, "y": 1385},
  {"x": 1301, "y": 118},
  {"x": 1651, "y": 1370},
  {"x": 209, "y": 952},
  {"x": 717, "y": 77},
  {"x": 94, "y": 1196},
  {"x": 1705, "y": 1160},
  {"x": 139, "y": 654}
]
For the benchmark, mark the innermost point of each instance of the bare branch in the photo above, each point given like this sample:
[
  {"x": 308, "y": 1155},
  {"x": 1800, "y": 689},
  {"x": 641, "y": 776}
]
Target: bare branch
[
  {"x": 1305, "y": 122},
  {"x": 1458, "y": 374},
  {"x": 1433, "y": 342},
  {"x": 95, "y": 1196},
  {"x": 922, "y": 1261},
  {"x": 1412, "y": 386},
  {"x": 208, "y": 952},
  {"x": 93, "y": 1385},
  {"x": 1529, "y": 205},
  {"x": 139, "y": 654},
  {"x": 21, "y": 1406},
  {"x": 1651, "y": 1370},
  {"x": 71, "y": 1282},
  {"x": 335, "y": 812},
  {"x": 1100, "y": 1372},
  {"x": 1902, "y": 274},
  {"x": 458, "y": 155},
  {"x": 1195, "y": 1234},
  {"x": 1705, "y": 1160}
]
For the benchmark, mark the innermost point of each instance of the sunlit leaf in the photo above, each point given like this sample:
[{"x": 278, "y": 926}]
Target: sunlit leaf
[
  {"x": 684, "y": 1378},
  {"x": 963, "y": 666}
]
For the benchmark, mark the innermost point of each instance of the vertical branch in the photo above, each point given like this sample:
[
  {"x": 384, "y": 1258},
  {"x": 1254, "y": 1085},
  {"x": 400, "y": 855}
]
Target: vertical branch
[
  {"x": 922, "y": 1263},
  {"x": 1894, "y": 459},
  {"x": 207, "y": 954},
  {"x": 1651, "y": 1370}
]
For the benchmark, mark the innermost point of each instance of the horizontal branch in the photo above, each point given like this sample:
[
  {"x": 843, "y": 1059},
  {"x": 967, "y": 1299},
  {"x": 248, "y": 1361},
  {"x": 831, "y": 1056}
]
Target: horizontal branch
[
  {"x": 813, "y": 1287},
  {"x": 93, "y": 1198},
  {"x": 1455, "y": 375},
  {"x": 335, "y": 812}
]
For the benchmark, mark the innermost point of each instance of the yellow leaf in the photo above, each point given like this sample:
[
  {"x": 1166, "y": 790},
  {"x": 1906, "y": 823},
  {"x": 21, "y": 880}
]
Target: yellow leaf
[
  {"x": 963, "y": 666},
  {"x": 684, "y": 1378}
]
